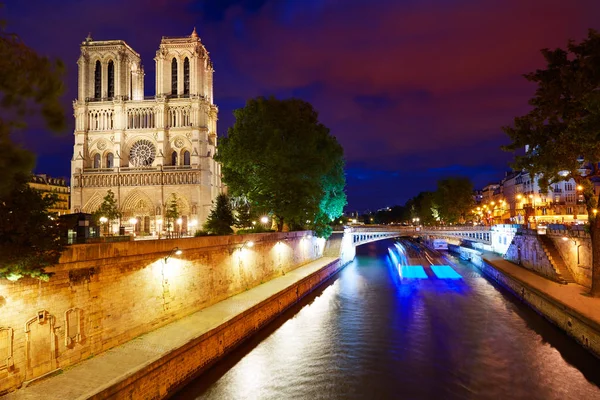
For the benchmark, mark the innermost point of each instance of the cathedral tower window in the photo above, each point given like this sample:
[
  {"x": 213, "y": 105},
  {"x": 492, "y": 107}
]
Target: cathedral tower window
[
  {"x": 98, "y": 80},
  {"x": 174, "y": 76},
  {"x": 110, "y": 160},
  {"x": 186, "y": 158},
  {"x": 111, "y": 79},
  {"x": 96, "y": 160},
  {"x": 174, "y": 158},
  {"x": 186, "y": 76}
]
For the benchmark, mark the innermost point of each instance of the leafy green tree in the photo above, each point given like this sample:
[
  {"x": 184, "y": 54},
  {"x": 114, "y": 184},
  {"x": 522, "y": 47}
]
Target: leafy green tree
[
  {"x": 423, "y": 206},
  {"x": 561, "y": 131},
  {"x": 242, "y": 211},
  {"x": 220, "y": 219},
  {"x": 29, "y": 233},
  {"x": 108, "y": 209},
  {"x": 454, "y": 199},
  {"x": 285, "y": 162},
  {"x": 172, "y": 213},
  {"x": 28, "y": 83}
]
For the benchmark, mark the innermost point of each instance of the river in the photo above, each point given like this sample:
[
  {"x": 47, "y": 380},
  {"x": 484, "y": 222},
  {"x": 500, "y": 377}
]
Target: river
[{"x": 370, "y": 333}]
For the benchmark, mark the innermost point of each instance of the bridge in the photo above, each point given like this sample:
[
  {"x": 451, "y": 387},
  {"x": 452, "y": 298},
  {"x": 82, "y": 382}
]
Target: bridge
[{"x": 495, "y": 238}]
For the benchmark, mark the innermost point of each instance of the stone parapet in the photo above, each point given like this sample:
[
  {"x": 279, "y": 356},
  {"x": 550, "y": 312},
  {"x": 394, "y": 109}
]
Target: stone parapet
[{"x": 103, "y": 295}]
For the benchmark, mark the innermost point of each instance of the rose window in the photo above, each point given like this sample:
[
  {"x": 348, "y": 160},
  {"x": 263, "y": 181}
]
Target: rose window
[{"x": 142, "y": 153}]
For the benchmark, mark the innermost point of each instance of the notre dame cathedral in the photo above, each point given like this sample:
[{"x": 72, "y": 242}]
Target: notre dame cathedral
[{"x": 146, "y": 148}]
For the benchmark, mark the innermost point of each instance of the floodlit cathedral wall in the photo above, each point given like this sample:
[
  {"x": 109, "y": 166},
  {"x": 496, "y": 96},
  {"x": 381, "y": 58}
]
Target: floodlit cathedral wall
[{"x": 146, "y": 148}]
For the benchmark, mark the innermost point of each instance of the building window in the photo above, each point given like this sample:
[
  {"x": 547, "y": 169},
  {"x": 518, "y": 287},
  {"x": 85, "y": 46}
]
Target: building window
[
  {"x": 186, "y": 76},
  {"x": 98, "y": 80},
  {"x": 110, "y": 159},
  {"x": 111, "y": 79},
  {"x": 174, "y": 76},
  {"x": 97, "y": 161},
  {"x": 568, "y": 186},
  {"x": 174, "y": 158},
  {"x": 569, "y": 210},
  {"x": 186, "y": 158}
]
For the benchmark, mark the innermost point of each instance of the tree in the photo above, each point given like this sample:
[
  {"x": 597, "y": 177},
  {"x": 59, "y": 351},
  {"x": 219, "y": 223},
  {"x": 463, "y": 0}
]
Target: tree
[
  {"x": 108, "y": 209},
  {"x": 220, "y": 219},
  {"x": 28, "y": 83},
  {"x": 560, "y": 133},
  {"x": 285, "y": 162},
  {"x": 423, "y": 206},
  {"x": 454, "y": 199},
  {"x": 172, "y": 213},
  {"x": 29, "y": 234}
]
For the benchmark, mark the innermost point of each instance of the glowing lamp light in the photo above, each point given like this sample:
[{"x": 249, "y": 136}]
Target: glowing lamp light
[
  {"x": 579, "y": 187},
  {"x": 175, "y": 251},
  {"x": 179, "y": 221},
  {"x": 133, "y": 221},
  {"x": 595, "y": 211},
  {"x": 565, "y": 238},
  {"x": 249, "y": 243},
  {"x": 264, "y": 220},
  {"x": 103, "y": 220}
]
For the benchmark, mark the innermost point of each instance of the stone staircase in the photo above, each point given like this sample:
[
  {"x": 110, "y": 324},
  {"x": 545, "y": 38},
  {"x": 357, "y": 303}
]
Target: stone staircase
[{"x": 556, "y": 259}]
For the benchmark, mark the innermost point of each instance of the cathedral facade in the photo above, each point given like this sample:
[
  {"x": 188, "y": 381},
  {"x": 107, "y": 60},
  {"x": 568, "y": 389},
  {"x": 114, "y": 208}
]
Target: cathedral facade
[{"x": 148, "y": 150}]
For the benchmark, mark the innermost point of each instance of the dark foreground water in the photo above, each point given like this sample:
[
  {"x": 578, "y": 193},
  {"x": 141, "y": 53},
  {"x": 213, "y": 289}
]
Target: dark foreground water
[{"x": 371, "y": 334}]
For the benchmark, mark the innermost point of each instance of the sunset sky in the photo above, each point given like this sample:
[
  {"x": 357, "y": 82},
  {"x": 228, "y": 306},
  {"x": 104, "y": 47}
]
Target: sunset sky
[{"x": 413, "y": 90}]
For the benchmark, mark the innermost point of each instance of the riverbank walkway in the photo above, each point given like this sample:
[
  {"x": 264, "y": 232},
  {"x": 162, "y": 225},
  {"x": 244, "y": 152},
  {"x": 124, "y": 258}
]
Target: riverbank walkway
[
  {"x": 573, "y": 296},
  {"x": 96, "y": 374}
]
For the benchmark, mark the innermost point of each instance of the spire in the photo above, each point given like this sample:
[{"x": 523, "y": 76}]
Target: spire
[
  {"x": 194, "y": 34},
  {"x": 89, "y": 37}
]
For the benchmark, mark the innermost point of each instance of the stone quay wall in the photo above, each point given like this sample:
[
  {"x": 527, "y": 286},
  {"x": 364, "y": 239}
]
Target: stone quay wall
[
  {"x": 585, "y": 331},
  {"x": 102, "y": 295},
  {"x": 526, "y": 250}
]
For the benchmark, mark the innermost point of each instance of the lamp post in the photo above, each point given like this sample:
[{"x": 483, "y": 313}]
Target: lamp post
[
  {"x": 518, "y": 198},
  {"x": 579, "y": 189},
  {"x": 133, "y": 221},
  {"x": 103, "y": 221},
  {"x": 159, "y": 226},
  {"x": 532, "y": 198},
  {"x": 179, "y": 222},
  {"x": 575, "y": 244}
]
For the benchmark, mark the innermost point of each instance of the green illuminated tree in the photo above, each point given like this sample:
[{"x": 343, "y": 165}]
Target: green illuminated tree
[
  {"x": 29, "y": 84},
  {"x": 29, "y": 233},
  {"x": 108, "y": 209},
  {"x": 561, "y": 132},
  {"x": 220, "y": 219},
  {"x": 285, "y": 162},
  {"x": 172, "y": 213}
]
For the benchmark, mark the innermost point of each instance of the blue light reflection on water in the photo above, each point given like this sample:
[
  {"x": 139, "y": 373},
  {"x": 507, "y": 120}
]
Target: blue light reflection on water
[
  {"x": 368, "y": 333},
  {"x": 445, "y": 272},
  {"x": 412, "y": 271}
]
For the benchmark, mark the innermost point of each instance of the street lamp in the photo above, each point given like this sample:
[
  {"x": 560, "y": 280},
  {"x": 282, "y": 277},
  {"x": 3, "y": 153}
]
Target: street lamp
[
  {"x": 133, "y": 221},
  {"x": 574, "y": 243},
  {"x": 103, "y": 221},
  {"x": 179, "y": 222},
  {"x": 159, "y": 226}
]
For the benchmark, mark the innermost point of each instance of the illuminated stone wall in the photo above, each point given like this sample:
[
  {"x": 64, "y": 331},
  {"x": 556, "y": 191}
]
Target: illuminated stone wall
[
  {"x": 105, "y": 294},
  {"x": 580, "y": 266},
  {"x": 526, "y": 250},
  {"x": 532, "y": 255}
]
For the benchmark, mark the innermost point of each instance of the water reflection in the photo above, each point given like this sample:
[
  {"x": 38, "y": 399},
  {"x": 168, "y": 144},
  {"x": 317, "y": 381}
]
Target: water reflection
[{"x": 372, "y": 334}]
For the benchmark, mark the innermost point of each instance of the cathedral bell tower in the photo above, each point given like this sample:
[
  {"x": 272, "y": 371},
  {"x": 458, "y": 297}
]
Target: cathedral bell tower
[{"x": 183, "y": 68}]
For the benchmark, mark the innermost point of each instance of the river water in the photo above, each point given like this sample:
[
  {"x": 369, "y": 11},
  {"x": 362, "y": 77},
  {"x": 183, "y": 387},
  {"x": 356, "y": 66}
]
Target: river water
[{"x": 370, "y": 333}]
